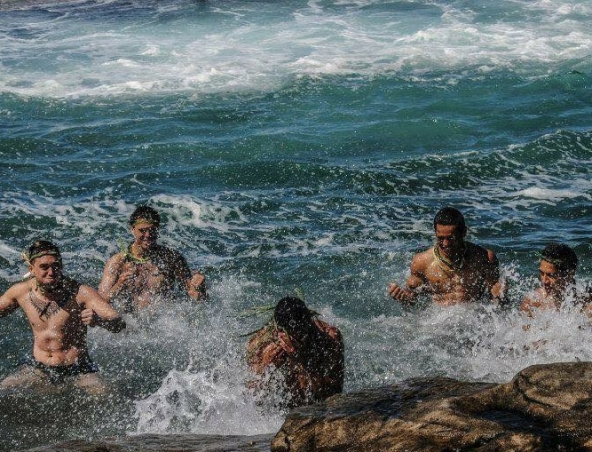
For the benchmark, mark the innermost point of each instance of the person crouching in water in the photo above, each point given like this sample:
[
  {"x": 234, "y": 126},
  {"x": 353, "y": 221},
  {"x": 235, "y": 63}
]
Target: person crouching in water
[
  {"x": 307, "y": 352},
  {"x": 59, "y": 309}
]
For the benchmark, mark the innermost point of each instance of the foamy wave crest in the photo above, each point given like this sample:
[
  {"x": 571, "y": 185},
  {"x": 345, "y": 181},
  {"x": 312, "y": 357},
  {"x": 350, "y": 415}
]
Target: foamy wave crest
[
  {"x": 221, "y": 47},
  {"x": 204, "y": 402},
  {"x": 541, "y": 193}
]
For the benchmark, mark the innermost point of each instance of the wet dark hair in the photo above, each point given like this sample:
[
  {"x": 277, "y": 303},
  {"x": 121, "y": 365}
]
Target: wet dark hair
[
  {"x": 560, "y": 255},
  {"x": 449, "y": 216},
  {"x": 292, "y": 314},
  {"x": 42, "y": 248},
  {"x": 145, "y": 213}
]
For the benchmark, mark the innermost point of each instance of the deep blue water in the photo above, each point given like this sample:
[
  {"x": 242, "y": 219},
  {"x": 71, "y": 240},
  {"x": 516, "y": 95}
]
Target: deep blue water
[{"x": 290, "y": 146}]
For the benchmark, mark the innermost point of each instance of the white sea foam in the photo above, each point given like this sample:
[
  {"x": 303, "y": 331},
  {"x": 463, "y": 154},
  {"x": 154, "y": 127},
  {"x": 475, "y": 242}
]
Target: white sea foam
[
  {"x": 550, "y": 194},
  {"x": 213, "y": 402},
  {"x": 220, "y": 48}
]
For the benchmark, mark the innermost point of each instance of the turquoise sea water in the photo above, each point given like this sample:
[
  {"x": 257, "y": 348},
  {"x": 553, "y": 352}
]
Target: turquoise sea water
[{"x": 289, "y": 146}]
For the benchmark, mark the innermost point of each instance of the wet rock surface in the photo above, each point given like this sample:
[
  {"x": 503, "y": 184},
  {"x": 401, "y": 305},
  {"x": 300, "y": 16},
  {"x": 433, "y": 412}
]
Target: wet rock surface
[
  {"x": 544, "y": 408},
  {"x": 165, "y": 443}
]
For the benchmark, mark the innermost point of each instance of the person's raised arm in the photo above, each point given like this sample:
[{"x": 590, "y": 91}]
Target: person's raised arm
[
  {"x": 194, "y": 282},
  {"x": 115, "y": 277},
  {"x": 496, "y": 287},
  {"x": 414, "y": 284},
  {"x": 8, "y": 302},
  {"x": 97, "y": 312}
]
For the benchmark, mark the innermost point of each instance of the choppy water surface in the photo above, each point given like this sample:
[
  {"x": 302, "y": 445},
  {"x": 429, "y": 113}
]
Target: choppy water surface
[{"x": 293, "y": 146}]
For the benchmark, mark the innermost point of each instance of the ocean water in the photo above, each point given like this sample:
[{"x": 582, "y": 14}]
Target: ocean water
[{"x": 291, "y": 147}]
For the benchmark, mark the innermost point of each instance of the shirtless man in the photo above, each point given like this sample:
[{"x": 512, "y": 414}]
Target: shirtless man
[
  {"x": 557, "y": 271},
  {"x": 146, "y": 271},
  {"x": 307, "y": 352},
  {"x": 59, "y": 310},
  {"x": 453, "y": 270}
]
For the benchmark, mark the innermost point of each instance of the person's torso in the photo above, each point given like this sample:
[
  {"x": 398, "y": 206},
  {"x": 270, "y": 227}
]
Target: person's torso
[
  {"x": 58, "y": 332},
  {"x": 465, "y": 282},
  {"x": 153, "y": 279}
]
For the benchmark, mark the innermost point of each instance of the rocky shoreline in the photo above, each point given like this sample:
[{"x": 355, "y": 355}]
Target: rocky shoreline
[
  {"x": 165, "y": 443},
  {"x": 544, "y": 408}
]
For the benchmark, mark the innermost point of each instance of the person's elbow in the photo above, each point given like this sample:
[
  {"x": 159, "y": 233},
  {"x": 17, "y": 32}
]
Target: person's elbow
[
  {"x": 198, "y": 293},
  {"x": 113, "y": 325}
]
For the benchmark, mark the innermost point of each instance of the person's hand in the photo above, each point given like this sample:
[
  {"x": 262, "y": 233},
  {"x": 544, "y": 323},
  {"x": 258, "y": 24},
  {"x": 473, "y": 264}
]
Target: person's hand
[
  {"x": 88, "y": 317},
  {"x": 399, "y": 293},
  {"x": 196, "y": 286},
  {"x": 128, "y": 271},
  {"x": 126, "y": 274},
  {"x": 197, "y": 279},
  {"x": 287, "y": 343}
]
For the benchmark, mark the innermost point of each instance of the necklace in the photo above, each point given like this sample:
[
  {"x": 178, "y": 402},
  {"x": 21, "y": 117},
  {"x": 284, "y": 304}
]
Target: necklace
[
  {"x": 129, "y": 255},
  {"x": 451, "y": 266},
  {"x": 135, "y": 259},
  {"x": 66, "y": 291},
  {"x": 46, "y": 308}
]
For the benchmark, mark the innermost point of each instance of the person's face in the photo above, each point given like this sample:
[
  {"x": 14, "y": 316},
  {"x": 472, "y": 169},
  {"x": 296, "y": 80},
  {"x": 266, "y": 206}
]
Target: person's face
[
  {"x": 47, "y": 271},
  {"x": 145, "y": 234},
  {"x": 449, "y": 239},
  {"x": 552, "y": 280}
]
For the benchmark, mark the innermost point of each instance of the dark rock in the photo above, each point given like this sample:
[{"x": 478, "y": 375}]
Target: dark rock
[
  {"x": 544, "y": 408},
  {"x": 165, "y": 443}
]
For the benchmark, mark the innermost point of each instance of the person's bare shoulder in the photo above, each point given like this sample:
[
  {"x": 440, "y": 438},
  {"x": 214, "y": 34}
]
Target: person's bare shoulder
[
  {"x": 23, "y": 286},
  {"x": 332, "y": 331},
  {"x": 115, "y": 262},
  {"x": 167, "y": 254},
  {"x": 13, "y": 297},
  {"x": 18, "y": 290},
  {"x": 421, "y": 261},
  {"x": 481, "y": 256},
  {"x": 479, "y": 251},
  {"x": 260, "y": 339},
  {"x": 117, "y": 258}
]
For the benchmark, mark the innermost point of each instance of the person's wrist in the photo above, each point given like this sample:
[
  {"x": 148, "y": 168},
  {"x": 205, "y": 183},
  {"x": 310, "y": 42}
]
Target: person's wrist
[{"x": 201, "y": 288}]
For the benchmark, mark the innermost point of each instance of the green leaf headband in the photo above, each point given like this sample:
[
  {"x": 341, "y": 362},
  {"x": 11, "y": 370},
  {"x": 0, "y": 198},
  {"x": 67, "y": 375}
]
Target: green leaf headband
[
  {"x": 29, "y": 258},
  {"x": 145, "y": 220}
]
